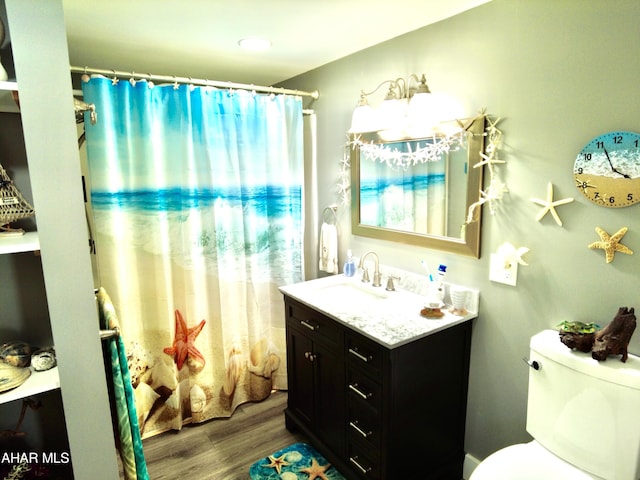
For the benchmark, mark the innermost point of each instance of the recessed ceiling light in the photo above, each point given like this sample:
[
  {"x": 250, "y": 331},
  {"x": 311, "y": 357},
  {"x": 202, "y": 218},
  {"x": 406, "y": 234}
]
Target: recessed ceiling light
[{"x": 255, "y": 44}]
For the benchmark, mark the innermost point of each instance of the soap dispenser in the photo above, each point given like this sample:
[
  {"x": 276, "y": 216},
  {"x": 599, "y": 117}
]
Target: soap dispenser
[{"x": 349, "y": 265}]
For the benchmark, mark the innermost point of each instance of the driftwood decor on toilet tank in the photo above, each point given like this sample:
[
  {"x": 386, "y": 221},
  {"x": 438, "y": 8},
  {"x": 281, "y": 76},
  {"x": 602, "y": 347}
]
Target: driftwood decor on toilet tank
[
  {"x": 615, "y": 337},
  {"x": 611, "y": 340}
]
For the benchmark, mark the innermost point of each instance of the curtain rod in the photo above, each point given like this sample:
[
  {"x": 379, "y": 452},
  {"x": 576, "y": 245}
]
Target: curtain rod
[{"x": 193, "y": 81}]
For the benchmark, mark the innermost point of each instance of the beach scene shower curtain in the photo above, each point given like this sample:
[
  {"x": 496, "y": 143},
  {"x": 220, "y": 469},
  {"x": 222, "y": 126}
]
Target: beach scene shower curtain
[{"x": 196, "y": 200}]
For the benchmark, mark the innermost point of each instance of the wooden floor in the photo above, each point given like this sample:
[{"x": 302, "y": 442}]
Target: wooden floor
[{"x": 221, "y": 449}]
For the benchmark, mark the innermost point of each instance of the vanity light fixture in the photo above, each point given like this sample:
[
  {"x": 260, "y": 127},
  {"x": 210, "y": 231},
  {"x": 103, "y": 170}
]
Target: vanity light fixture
[{"x": 408, "y": 110}]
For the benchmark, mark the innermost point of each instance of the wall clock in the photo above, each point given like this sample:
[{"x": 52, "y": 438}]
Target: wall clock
[{"x": 607, "y": 169}]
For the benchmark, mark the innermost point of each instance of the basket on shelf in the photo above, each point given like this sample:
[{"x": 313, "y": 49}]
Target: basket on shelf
[{"x": 13, "y": 205}]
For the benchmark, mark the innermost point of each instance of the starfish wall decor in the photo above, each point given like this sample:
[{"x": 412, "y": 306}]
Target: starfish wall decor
[
  {"x": 611, "y": 243},
  {"x": 511, "y": 254},
  {"x": 550, "y": 205},
  {"x": 494, "y": 192},
  {"x": 344, "y": 176}
]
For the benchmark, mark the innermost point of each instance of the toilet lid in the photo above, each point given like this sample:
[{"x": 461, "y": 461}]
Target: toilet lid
[{"x": 527, "y": 461}]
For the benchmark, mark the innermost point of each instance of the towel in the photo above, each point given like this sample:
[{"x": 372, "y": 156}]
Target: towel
[
  {"x": 328, "y": 248},
  {"x": 130, "y": 448}
]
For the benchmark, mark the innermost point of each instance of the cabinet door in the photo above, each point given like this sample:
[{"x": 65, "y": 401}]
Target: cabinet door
[
  {"x": 330, "y": 397},
  {"x": 300, "y": 371}
]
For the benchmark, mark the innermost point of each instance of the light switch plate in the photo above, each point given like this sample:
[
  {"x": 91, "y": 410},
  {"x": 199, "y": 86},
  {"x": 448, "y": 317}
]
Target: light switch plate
[{"x": 503, "y": 271}]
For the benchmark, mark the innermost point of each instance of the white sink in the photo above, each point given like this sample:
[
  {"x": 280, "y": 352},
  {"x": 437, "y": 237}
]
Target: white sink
[{"x": 352, "y": 290}]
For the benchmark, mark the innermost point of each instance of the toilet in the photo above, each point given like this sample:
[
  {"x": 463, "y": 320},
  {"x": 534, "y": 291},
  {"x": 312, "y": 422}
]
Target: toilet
[{"x": 584, "y": 416}]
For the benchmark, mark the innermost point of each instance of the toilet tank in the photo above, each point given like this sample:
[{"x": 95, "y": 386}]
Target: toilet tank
[{"x": 584, "y": 411}]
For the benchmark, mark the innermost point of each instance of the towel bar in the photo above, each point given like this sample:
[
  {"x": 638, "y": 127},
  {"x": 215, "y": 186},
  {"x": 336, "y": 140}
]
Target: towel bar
[{"x": 105, "y": 334}]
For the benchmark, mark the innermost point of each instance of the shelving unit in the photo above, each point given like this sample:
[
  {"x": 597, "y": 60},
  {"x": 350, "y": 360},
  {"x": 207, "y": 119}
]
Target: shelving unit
[
  {"x": 63, "y": 288},
  {"x": 29, "y": 242},
  {"x": 38, "y": 382}
]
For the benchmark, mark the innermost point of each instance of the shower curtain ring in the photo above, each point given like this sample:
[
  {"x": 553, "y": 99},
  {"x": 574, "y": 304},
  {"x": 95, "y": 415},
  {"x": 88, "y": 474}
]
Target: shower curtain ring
[
  {"x": 175, "y": 83},
  {"x": 114, "y": 80},
  {"x": 132, "y": 80}
]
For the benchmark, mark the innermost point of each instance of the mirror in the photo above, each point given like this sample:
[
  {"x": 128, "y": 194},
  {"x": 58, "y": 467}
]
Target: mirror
[{"x": 424, "y": 204}]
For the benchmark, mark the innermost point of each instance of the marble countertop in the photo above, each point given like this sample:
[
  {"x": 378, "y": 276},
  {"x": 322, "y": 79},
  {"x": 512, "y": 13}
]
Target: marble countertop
[{"x": 389, "y": 318}]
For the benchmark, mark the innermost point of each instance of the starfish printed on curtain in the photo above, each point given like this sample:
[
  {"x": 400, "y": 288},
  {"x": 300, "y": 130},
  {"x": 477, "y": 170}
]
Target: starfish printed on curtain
[{"x": 184, "y": 342}]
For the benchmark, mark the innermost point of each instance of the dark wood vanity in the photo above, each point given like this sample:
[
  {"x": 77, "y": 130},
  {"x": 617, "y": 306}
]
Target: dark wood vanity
[{"x": 374, "y": 411}]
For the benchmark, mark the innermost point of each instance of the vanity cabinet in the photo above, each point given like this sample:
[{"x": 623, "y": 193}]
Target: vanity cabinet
[
  {"x": 316, "y": 374},
  {"x": 395, "y": 412}
]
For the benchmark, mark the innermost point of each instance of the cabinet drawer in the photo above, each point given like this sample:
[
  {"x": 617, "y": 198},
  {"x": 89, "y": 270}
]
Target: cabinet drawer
[
  {"x": 363, "y": 461},
  {"x": 365, "y": 354},
  {"x": 364, "y": 389},
  {"x": 317, "y": 326},
  {"x": 364, "y": 424}
]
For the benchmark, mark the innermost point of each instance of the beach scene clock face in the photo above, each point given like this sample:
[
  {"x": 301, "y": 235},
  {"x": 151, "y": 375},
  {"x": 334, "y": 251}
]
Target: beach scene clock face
[{"x": 607, "y": 169}]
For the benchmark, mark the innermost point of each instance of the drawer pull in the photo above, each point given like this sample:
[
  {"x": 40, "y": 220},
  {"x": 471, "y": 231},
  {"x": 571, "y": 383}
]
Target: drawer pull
[
  {"x": 354, "y": 460},
  {"x": 355, "y": 426},
  {"x": 310, "y": 356},
  {"x": 360, "y": 356},
  {"x": 308, "y": 325},
  {"x": 354, "y": 388}
]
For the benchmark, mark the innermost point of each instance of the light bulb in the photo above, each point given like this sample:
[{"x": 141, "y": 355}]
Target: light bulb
[{"x": 363, "y": 119}]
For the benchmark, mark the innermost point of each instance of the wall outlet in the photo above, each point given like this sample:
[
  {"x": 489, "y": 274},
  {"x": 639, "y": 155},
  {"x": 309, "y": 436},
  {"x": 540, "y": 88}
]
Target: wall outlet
[{"x": 503, "y": 270}]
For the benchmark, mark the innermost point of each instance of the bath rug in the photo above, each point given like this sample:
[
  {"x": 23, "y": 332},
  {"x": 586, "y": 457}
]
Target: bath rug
[{"x": 299, "y": 461}]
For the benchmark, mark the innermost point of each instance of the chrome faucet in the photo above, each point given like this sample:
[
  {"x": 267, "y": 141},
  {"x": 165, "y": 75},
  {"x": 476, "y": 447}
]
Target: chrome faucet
[{"x": 376, "y": 272}]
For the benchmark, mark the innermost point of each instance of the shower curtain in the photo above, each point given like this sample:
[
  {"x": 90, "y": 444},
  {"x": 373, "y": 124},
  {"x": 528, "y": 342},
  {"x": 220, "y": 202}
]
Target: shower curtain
[{"x": 196, "y": 195}]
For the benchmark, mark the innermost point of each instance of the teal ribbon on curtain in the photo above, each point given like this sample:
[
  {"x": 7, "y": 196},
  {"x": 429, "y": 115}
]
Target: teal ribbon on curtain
[{"x": 130, "y": 441}]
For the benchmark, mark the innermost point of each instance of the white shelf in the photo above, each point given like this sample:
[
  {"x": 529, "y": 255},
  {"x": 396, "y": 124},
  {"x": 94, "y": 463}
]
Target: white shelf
[
  {"x": 7, "y": 103},
  {"x": 11, "y": 86},
  {"x": 38, "y": 382},
  {"x": 29, "y": 242}
]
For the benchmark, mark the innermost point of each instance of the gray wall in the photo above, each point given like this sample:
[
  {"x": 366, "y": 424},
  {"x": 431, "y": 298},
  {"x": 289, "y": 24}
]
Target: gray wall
[{"x": 559, "y": 72}]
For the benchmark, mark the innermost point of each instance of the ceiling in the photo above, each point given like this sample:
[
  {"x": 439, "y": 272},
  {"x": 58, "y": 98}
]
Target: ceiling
[{"x": 199, "y": 38}]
